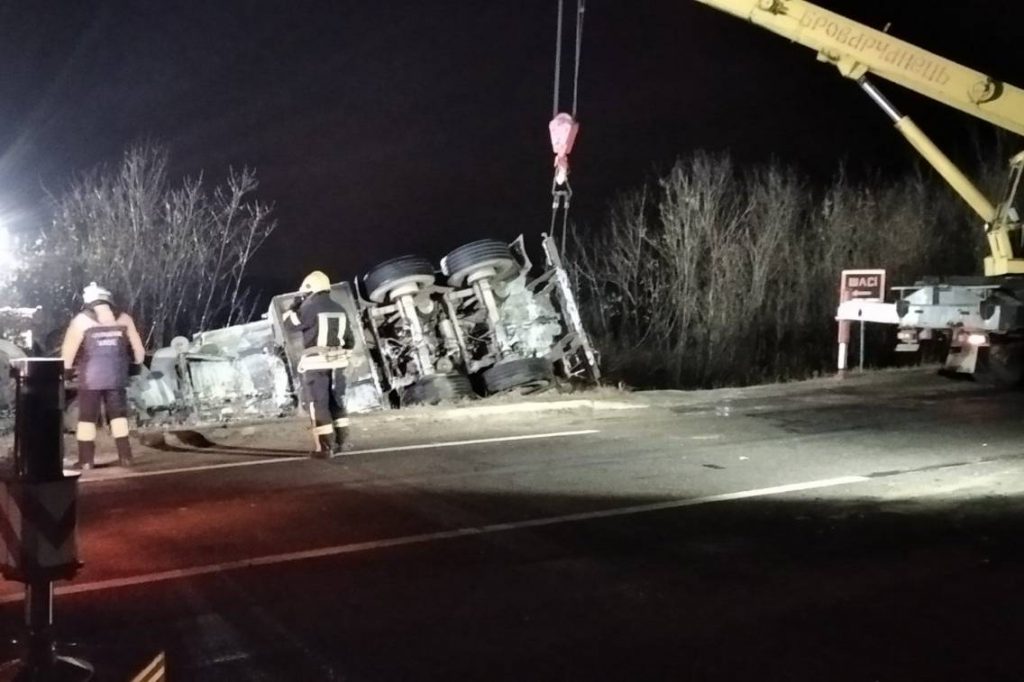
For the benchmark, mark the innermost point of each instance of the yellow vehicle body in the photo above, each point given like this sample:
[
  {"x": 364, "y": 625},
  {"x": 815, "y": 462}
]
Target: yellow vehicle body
[{"x": 858, "y": 50}]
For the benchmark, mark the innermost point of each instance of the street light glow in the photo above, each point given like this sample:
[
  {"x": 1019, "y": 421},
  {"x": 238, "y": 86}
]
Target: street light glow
[{"x": 8, "y": 255}]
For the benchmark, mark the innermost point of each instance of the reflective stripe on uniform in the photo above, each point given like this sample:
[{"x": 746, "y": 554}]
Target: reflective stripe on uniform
[
  {"x": 85, "y": 431},
  {"x": 324, "y": 430},
  {"x": 312, "y": 423},
  {"x": 341, "y": 422},
  {"x": 119, "y": 427},
  {"x": 324, "y": 331}
]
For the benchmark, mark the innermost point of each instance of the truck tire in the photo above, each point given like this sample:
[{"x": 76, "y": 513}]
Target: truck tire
[
  {"x": 71, "y": 412},
  {"x": 397, "y": 272},
  {"x": 486, "y": 254},
  {"x": 531, "y": 374},
  {"x": 1002, "y": 366},
  {"x": 8, "y": 351},
  {"x": 436, "y": 388}
]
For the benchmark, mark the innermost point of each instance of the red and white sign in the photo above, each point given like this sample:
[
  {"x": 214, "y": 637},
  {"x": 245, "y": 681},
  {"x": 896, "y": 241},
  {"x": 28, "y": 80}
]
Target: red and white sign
[
  {"x": 860, "y": 285},
  {"x": 866, "y": 285}
]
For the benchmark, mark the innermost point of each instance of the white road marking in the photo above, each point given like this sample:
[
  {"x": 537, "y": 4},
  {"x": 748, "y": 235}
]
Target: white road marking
[
  {"x": 182, "y": 470},
  {"x": 368, "y": 451},
  {"x": 472, "y": 531},
  {"x": 478, "y": 441}
]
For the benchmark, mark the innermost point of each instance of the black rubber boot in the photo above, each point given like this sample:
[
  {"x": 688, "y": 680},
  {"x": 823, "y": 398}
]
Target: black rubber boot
[
  {"x": 326, "y": 443},
  {"x": 341, "y": 443},
  {"x": 86, "y": 455},
  {"x": 124, "y": 452}
]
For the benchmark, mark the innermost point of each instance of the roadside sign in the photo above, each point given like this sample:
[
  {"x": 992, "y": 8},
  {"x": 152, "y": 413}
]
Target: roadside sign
[
  {"x": 861, "y": 285},
  {"x": 868, "y": 285}
]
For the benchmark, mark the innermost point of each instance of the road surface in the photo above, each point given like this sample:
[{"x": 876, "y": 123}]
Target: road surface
[{"x": 865, "y": 531}]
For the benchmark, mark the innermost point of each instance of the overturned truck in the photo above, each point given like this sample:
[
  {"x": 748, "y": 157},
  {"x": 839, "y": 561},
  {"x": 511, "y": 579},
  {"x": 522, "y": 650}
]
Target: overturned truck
[{"x": 486, "y": 321}]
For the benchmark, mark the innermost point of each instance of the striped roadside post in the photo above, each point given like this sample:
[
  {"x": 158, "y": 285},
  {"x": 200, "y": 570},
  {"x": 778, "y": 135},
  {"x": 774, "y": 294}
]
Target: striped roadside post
[
  {"x": 156, "y": 671},
  {"x": 38, "y": 518}
]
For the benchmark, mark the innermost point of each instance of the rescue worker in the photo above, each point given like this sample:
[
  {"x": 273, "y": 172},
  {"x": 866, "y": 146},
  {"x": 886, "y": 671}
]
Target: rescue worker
[
  {"x": 104, "y": 342},
  {"x": 327, "y": 337}
]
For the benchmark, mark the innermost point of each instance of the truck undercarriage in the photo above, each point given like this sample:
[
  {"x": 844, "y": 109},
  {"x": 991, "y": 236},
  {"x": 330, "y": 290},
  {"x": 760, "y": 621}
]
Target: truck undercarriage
[{"x": 487, "y": 321}]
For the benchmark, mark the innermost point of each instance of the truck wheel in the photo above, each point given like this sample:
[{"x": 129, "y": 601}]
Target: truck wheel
[
  {"x": 8, "y": 351},
  {"x": 532, "y": 374},
  {"x": 1002, "y": 366},
  {"x": 397, "y": 272},
  {"x": 436, "y": 388},
  {"x": 70, "y": 413},
  {"x": 486, "y": 255}
]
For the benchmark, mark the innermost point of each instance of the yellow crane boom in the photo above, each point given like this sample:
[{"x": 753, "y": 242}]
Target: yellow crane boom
[
  {"x": 858, "y": 50},
  {"x": 851, "y": 46}
]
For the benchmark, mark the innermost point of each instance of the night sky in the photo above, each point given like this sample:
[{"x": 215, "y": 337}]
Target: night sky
[{"x": 382, "y": 128}]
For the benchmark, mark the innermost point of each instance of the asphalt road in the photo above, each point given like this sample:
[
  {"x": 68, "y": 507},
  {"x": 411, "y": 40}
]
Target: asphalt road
[{"x": 866, "y": 531}]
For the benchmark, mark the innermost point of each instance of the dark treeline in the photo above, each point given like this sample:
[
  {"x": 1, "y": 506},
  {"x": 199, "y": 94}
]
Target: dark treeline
[{"x": 718, "y": 275}]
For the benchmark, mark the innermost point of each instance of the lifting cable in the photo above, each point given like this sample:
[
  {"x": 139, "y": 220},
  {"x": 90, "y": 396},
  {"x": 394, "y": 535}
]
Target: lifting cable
[{"x": 564, "y": 127}]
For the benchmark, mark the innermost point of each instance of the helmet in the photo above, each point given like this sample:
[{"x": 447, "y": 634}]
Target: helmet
[
  {"x": 94, "y": 293},
  {"x": 315, "y": 281}
]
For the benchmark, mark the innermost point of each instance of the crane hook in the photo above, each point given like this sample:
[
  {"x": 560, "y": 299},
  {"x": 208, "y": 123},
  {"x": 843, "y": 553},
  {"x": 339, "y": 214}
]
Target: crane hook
[{"x": 563, "y": 129}]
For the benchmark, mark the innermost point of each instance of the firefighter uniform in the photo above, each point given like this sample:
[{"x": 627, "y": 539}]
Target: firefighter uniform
[
  {"x": 101, "y": 342},
  {"x": 327, "y": 337}
]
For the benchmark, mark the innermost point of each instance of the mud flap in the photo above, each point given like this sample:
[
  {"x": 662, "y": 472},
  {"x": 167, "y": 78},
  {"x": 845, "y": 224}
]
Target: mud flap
[
  {"x": 962, "y": 359},
  {"x": 1001, "y": 364}
]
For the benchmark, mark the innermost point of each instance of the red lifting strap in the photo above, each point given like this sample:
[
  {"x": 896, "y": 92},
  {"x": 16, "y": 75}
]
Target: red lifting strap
[{"x": 563, "y": 129}]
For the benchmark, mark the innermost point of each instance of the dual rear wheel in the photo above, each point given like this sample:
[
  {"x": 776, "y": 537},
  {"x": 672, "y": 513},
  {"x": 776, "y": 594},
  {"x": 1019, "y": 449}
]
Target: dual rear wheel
[{"x": 1001, "y": 364}]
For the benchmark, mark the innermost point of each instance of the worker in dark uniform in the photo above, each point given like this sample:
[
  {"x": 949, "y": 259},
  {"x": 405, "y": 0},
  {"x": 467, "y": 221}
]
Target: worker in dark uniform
[
  {"x": 102, "y": 342},
  {"x": 327, "y": 337}
]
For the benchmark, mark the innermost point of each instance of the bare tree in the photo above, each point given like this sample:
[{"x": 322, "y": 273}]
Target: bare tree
[
  {"x": 719, "y": 276},
  {"x": 175, "y": 255}
]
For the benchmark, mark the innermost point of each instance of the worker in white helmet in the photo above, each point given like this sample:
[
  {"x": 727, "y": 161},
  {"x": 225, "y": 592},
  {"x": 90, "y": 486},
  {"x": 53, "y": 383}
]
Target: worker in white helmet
[
  {"x": 102, "y": 342},
  {"x": 327, "y": 338}
]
